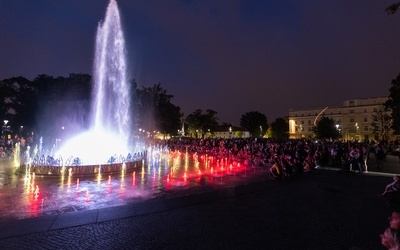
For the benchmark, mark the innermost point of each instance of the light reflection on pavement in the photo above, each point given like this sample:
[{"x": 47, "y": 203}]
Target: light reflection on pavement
[{"x": 25, "y": 196}]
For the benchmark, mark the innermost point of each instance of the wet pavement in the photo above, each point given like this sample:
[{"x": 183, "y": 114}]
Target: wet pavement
[
  {"x": 320, "y": 210},
  {"x": 27, "y": 195}
]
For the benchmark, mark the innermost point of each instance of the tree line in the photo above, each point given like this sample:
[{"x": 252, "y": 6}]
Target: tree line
[{"x": 47, "y": 103}]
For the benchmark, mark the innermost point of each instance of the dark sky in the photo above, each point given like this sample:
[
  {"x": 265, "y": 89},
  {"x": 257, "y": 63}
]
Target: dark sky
[{"x": 231, "y": 56}]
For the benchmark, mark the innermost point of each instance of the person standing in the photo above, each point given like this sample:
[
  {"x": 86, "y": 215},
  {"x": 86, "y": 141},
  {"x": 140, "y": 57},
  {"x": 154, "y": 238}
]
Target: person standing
[{"x": 379, "y": 155}]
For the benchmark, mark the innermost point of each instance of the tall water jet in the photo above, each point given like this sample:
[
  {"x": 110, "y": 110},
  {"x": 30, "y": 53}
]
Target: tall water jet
[
  {"x": 110, "y": 124},
  {"x": 111, "y": 90}
]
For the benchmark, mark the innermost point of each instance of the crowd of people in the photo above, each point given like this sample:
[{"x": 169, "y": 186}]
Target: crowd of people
[{"x": 290, "y": 157}]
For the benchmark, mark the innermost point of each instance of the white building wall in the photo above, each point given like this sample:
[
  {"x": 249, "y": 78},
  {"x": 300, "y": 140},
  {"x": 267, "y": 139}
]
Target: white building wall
[{"x": 354, "y": 119}]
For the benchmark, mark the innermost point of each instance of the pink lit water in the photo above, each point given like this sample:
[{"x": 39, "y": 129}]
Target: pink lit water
[{"x": 25, "y": 196}]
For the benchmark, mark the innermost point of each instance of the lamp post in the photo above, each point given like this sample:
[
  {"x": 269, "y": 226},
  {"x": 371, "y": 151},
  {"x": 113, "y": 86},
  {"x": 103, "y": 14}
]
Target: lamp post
[
  {"x": 5, "y": 128},
  {"x": 338, "y": 130}
]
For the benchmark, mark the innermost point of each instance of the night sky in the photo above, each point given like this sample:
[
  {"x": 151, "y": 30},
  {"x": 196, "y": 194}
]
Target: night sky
[{"x": 231, "y": 56}]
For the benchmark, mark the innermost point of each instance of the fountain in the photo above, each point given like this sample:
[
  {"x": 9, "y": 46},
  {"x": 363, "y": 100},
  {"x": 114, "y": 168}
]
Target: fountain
[
  {"x": 110, "y": 125},
  {"x": 107, "y": 139},
  {"x": 98, "y": 183}
]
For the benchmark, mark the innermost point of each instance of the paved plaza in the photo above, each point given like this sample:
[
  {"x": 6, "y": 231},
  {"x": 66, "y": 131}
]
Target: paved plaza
[{"x": 319, "y": 210}]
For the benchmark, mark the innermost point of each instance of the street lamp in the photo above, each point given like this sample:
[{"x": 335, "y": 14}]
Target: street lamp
[{"x": 4, "y": 127}]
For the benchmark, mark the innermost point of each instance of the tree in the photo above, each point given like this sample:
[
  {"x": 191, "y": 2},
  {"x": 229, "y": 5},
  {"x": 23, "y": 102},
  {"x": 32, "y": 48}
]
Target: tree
[
  {"x": 381, "y": 123},
  {"x": 280, "y": 129},
  {"x": 393, "y": 8},
  {"x": 19, "y": 101},
  {"x": 392, "y": 105},
  {"x": 326, "y": 129},
  {"x": 155, "y": 110},
  {"x": 199, "y": 123},
  {"x": 63, "y": 102},
  {"x": 255, "y": 122}
]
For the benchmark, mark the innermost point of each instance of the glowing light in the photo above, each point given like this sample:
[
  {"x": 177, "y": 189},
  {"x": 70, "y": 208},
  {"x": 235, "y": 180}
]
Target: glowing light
[
  {"x": 87, "y": 195},
  {"x": 99, "y": 176},
  {"x": 36, "y": 192},
  {"x": 185, "y": 176}
]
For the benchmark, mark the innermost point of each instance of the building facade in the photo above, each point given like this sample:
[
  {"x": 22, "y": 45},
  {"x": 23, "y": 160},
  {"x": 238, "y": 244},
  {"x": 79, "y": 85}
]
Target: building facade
[{"x": 356, "y": 120}]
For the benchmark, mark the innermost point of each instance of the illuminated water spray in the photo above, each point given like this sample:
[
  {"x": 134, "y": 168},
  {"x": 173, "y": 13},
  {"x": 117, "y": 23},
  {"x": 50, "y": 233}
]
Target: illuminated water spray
[
  {"x": 111, "y": 89},
  {"x": 109, "y": 132}
]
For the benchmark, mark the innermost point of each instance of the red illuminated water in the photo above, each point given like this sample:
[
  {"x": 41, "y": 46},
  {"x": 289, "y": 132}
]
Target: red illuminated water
[{"x": 164, "y": 175}]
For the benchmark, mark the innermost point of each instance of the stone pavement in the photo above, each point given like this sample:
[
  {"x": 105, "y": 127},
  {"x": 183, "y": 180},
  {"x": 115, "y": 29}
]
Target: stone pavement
[{"x": 320, "y": 210}]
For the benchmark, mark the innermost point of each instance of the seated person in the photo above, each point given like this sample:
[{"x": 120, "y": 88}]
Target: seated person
[
  {"x": 276, "y": 169},
  {"x": 392, "y": 187},
  {"x": 390, "y": 239},
  {"x": 394, "y": 220}
]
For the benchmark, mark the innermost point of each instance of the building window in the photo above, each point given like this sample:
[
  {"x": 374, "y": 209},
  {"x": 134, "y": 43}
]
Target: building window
[
  {"x": 351, "y": 119},
  {"x": 365, "y": 110},
  {"x": 365, "y": 128},
  {"x": 340, "y": 112},
  {"x": 365, "y": 119},
  {"x": 309, "y": 122},
  {"x": 309, "y": 128},
  {"x": 302, "y": 122},
  {"x": 295, "y": 122},
  {"x": 351, "y": 111},
  {"x": 375, "y": 110},
  {"x": 351, "y": 103}
]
